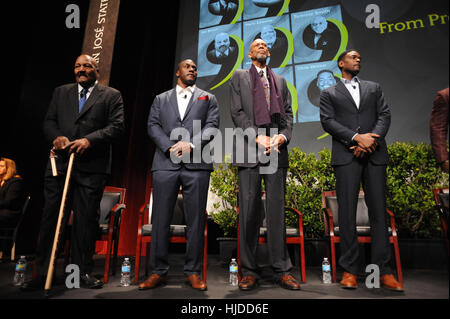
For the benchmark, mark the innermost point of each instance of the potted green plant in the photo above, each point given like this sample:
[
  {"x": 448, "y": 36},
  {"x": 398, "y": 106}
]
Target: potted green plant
[{"x": 224, "y": 185}]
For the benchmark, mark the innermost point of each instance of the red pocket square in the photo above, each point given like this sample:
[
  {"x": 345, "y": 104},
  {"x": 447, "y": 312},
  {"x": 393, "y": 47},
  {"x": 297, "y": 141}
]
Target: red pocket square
[{"x": 203, "y": 98}]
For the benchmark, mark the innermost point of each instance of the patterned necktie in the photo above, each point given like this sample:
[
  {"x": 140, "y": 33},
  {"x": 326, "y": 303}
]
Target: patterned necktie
[
  {"x": 265, "y": 84},
  {"x": 82, "y": 99}
]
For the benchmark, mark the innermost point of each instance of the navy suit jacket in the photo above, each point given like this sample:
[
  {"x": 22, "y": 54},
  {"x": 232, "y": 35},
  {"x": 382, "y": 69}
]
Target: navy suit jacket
[
  {"x": 164, "y": 119},
  {"x": 341, "y": 118}
]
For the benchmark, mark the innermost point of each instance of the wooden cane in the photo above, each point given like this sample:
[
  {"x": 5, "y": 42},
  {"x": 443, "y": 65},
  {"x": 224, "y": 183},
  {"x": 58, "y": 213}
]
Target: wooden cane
[{"x": 51, "y": 266}]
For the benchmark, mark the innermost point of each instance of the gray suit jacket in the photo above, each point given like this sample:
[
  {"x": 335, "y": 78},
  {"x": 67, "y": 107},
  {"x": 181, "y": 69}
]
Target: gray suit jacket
[
  {"x": 342, "y": 119},
  {"x": 241, "y": 108},
  {"x": 164, "y": 119}
]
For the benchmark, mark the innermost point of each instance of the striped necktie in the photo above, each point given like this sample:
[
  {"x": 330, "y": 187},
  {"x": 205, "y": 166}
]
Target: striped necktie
[{"x": 265, "y": 84}]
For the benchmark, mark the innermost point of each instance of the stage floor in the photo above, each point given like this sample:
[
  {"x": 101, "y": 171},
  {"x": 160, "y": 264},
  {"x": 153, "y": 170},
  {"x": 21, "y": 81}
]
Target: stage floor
[{"x": 418, "y": 284}]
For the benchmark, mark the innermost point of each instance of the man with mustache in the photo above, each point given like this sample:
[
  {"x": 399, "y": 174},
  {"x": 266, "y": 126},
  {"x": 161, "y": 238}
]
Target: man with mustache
[
  {"x": 261, "y": 106},
  {"x": 355, "y": 113},
  {"x": 174, "y": 164},
  {"x": 84, "y": 118}
]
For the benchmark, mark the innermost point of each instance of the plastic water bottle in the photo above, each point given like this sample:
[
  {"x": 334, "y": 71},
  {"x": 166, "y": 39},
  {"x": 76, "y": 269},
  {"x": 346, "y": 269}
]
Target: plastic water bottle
[
  {"x": 233, "y": 272},
  {"x": 21, "y": 268},
  {"x": 126, "y": 269},
  {"x": 326, "y": 271}
]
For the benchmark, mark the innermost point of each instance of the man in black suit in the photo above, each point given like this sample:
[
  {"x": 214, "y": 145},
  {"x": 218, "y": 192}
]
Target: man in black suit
[
  {"x": 181, "y": 123},
  {"x": 357, "y": 116},
  {"x": 261, "y": 111},
  {"x": 85, "y": 118}
]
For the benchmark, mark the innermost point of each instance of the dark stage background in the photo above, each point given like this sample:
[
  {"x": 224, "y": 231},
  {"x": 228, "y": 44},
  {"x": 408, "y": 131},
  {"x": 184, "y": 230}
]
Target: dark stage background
[
  {"x": 152, "y": 36},
  {"x": 40, "y": 54}
]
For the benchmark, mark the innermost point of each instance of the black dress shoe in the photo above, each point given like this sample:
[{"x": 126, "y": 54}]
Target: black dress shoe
[
  {"x": 33, "y": 285},
  {"x": 90, "y": 282}
]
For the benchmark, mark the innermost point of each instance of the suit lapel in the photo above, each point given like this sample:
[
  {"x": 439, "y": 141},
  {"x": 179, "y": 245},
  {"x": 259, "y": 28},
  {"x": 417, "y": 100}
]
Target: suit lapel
[
  {"x": 74, "y": 97},
  {"x": 343, "y": 90},
  {"x": 362, "y": 93},
  {"x": 96, "y": 92},
  {"x": 192, "y": 101},
  {"x": 173, "y": 102}
]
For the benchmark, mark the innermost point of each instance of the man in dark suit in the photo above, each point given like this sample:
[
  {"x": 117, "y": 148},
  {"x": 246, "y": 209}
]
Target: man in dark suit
[
  {"x": 357, "y": 116},
  {"x": 85, "y": 118},
  {"x": 261, "y": 111},
  {"x": 181, "y": 123},
  {"x": 439, "y": 127}
]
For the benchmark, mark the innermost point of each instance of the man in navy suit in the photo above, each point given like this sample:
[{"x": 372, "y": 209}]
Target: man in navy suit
[
  {"x": 181, "y": 123},
  {"x": 356, "y": 115},
  {"x": 86, "y": 118}
]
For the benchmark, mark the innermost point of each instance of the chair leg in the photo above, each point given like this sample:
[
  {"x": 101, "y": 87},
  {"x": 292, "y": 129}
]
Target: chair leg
[
  {"x": 137, "y": 262},
  {"x": 333, "y": 260},
  {"x": 302, "y": 261},
  {"x": 107, "y": 262},
  {"x": 397, "y": 260},
  {"x": 147, "y": 257}
]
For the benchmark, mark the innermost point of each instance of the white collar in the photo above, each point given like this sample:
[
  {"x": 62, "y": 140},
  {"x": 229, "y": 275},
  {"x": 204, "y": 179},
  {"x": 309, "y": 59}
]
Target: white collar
[
  {"x": 180, "y": 90},
  {"x": 264, "y": 69},
  {"x": 80, "y": 88},
  {"x": 355, "y": 79}
]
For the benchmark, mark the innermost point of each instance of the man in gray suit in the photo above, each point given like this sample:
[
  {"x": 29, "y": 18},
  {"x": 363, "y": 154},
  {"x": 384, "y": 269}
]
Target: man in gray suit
[
  {"x": 261, "y": 110},
  {"x": 356, "y": 115},
  {"x": 181, "y": 123}
]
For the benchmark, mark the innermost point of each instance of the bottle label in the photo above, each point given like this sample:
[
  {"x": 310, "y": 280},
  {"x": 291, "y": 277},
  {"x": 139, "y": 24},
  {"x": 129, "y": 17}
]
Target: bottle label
[
  {"x": 326, "y": 268},
  {"x": 126, "y": 268},
  {"x": 233, "y": 269},
  {"x": 21, "y": 267}
]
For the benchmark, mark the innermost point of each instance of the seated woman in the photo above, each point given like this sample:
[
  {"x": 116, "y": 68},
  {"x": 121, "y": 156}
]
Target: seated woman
[{"x": 11, "y": 195}]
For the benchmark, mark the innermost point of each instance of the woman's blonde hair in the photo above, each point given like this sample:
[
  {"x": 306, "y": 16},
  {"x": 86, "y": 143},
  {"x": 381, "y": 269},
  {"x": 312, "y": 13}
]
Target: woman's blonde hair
[{"x": 10, "y": 168}]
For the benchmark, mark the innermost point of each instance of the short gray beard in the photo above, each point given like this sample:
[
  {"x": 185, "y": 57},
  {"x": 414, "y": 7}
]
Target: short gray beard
[{"x": 261, "y": 58}]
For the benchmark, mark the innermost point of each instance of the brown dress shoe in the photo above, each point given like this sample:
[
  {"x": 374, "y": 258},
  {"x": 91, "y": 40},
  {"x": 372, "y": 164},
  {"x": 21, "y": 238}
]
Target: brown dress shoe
[
  {"x": 247, "y": 283},
  {"x": 195, "y": 282},
  {"x": 153, "y": 281},
  {"x": 289, "y": 282},
  {"x": 391, "y": 283},
  {"x": 348, "y": 281}
]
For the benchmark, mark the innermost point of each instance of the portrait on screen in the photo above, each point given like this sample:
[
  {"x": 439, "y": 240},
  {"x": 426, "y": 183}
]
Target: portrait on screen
[
  {"x": 263, "y": 8},
  {"x": 316, "y": 34},
  {"x": 324, "y": 79},
  {"x": 274, "y": 31},
  {"x": 217, "y": 50},
  {"x": 311, "y": 79},
  {"x": 217, "y": 12}
]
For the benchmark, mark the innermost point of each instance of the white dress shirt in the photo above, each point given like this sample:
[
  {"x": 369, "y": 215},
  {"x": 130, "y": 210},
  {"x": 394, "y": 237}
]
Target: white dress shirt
[
  {"x": 183, "y": 98},
  {"x": 80, "y": 88},
  {"x": 353, "y": 87}
]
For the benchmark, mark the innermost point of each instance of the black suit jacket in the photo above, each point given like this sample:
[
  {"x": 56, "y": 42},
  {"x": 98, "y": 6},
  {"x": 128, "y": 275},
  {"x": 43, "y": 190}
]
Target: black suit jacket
[
  {"x": 342, "y": 120},
  {"x": 242, "y": 113},
  {"x": 101, "y": 121},
  {"x": 164, "y": 118}
]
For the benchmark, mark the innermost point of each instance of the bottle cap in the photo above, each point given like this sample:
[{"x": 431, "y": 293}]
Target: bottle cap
[{"x": 127, "y": 259}]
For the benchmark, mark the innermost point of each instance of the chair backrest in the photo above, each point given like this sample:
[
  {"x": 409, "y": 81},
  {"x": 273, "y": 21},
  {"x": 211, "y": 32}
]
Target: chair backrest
[
  {"x": 178, "y": 211},
  {"x": 444, "y": 199},
  {"x": 111, "y": 197},
  {"x": 362, "y": 212}
]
